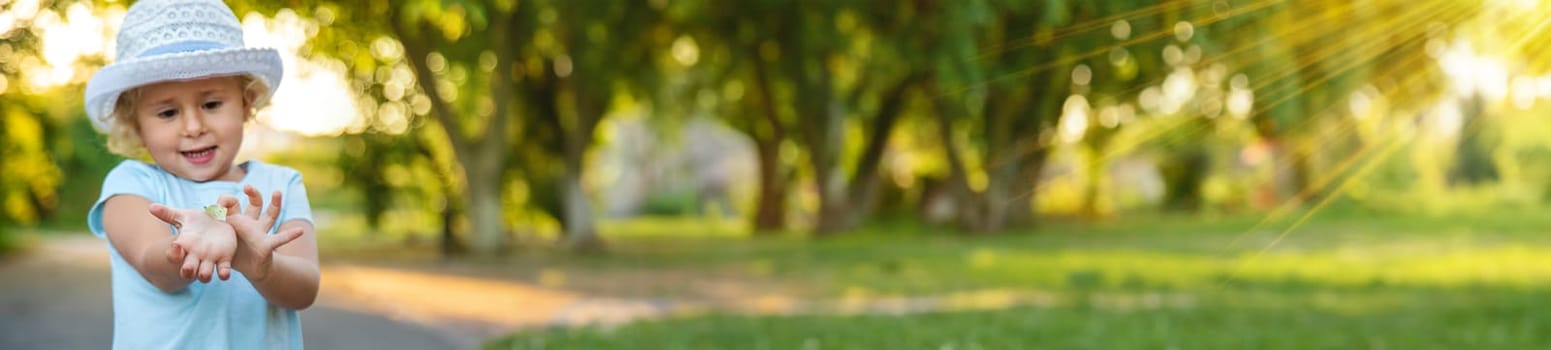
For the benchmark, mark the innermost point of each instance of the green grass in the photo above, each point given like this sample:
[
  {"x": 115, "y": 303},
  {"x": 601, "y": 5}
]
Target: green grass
[
  {"x": 1419, "y": 319},
  {"x": 1340, "y": 281},
  {"x": 1147, "y": 254}
]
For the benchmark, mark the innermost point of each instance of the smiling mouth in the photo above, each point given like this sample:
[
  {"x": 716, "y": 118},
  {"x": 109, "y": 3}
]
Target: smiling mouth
[{"x": 199, "y": 154}]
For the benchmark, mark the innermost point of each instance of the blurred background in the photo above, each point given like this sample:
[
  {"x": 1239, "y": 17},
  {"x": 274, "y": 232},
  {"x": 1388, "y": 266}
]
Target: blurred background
[{"x": 976, "y": 174}]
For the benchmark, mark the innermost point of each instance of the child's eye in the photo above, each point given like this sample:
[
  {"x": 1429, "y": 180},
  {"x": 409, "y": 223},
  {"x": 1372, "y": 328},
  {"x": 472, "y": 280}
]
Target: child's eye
[
  {"x": 212, "y": 105},
  {"x": 167, "y": 113}
]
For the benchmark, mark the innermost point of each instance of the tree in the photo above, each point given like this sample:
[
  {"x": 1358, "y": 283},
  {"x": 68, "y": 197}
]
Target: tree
[
  {"x": 1008, "y": 96},
  {"x": 52, "y": 159},
  {"x": 613, "y": 51},
  {"x": 508, "y": 84},
  {"x": 790, "y": 56},
  {"x": 739, "y": 50},
  {"x": 810, "y": 55}
]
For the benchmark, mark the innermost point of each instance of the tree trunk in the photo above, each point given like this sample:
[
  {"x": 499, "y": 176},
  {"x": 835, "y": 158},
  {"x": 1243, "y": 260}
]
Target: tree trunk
[
  {"x": 824, "y": 136},
  {"x": 483, "y": 201},
  {"x": 863, "y": 187},
  {"x": 998, "y": 194},
  {"x": 1473, "y": 163},
  {"x": 1183, "y": 172},
  {"x": 1093, "y": 186},
  {"x": 861, "y": 202},
  {"x": 1014, "y": 156},
  {"x": 770, "y": 212},
  {"x": 449, "y": 242},
  {"x": 958, "y": 176},
  {"x": 1290, "y": 169},
  {"x": 831, "y": 215},
  {"x": 452, "y": 202},
  {"x": 580, "y": 234},
  {"x": 996, "y": 199},
  {"x": 1020, "y": 210},
  {"x": 482, "y": 154},
  {"x": 483, "y": 170}
]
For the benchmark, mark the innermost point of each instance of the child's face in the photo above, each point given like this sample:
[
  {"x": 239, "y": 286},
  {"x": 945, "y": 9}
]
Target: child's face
[{"x": 193, "y": 128}]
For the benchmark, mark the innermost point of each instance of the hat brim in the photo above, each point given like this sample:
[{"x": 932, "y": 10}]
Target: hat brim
[{"x": 103, "y": 90}]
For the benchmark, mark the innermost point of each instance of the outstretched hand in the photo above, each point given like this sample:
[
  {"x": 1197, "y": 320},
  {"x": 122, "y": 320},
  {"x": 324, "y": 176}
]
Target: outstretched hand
[
  {"x": 204, "y": 246},
  {"x": 256, "y": 247}
]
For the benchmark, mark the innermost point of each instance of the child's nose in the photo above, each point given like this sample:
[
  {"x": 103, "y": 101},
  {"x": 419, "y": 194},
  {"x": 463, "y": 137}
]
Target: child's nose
[{"x": 194, "y": 125}]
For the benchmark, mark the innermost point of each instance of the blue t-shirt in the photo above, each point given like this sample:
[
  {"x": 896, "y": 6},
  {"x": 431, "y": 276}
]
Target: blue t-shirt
[{"x": 221, "y": 314}]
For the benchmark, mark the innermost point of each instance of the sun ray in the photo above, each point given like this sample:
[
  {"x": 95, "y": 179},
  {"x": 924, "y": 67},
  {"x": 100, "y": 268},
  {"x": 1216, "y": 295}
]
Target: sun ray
[
  {"x": 1165, "y": 130},
  {"x": 1411, "y": 78},
  {"x": 1305, "y": 25},
  {"x": 1391, "y": 145},
  {"x": 1100, "y": 23},
  {"x": 1069, "y": 60},
  {"x": 1372, "y": 55},
  {"x": 1369, "y": 32},
  {"x": 1319, "y": 183}
]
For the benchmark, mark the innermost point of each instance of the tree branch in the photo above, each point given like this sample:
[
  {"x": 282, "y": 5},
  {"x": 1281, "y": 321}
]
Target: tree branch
[
  {"x": 877, "y": 141},
  {"x": 496, "y": 134},
  {"x": 766, "y": 95},
  {"x": 415, "y": 54}
]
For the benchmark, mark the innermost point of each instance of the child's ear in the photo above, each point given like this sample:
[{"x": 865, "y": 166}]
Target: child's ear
[
  {"x": 249, "y": 100},
  {"x": 249, "y": 97}
]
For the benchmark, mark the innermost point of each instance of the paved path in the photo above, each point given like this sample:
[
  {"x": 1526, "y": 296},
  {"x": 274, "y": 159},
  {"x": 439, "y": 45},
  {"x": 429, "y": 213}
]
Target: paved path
[{"x": 57, "y": 297}]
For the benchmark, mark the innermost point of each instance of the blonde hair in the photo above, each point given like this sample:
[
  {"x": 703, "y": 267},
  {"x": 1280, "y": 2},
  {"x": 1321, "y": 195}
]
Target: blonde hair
[{"x": 124, "y": 130}]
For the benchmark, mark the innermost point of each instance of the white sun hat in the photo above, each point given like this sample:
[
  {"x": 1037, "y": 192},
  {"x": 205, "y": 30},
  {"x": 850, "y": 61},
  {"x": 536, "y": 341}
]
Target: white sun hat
[{"x": 169, "y": 40}]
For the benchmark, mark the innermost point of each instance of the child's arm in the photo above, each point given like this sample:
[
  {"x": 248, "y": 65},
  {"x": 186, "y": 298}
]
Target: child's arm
[
  {"x": 145, "y": 242},
  {"x": 284, "y": 266}
]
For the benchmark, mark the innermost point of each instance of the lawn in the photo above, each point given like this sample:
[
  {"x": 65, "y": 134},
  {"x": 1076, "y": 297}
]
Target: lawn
[
  {"x": 1339, "y": 281},
  {"x": 1254, "y": 319}
]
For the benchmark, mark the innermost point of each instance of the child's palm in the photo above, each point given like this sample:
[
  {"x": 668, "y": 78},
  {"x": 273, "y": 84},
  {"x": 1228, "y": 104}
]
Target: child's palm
[{"x": 205, "y": 247}]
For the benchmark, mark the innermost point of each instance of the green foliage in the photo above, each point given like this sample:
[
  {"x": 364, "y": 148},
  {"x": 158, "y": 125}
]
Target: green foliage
[
  {"x": 375, "y": 165},
  {"x": 9, "y": 241},
  {"x": 506, "y": 97},
  {"x": 674, "y": 203}
]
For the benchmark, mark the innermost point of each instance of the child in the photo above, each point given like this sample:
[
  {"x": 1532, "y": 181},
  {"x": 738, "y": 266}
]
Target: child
[{"x": 180, "y": 92}]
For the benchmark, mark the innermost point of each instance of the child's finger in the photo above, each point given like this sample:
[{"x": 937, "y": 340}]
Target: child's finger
[
  {"x": 280, "y": 239},
  {"x": 175, "y": 253},
  {"x": 230, "y": 203},
  {"x": 205, "y": 267},
  {"x": 224, "y": 269},
  {"x": 165, "y": 214},
  {"x": 255, "y": 201},
  {"x": 274, "y": 210},
  {"x": 189, "y": 265}
]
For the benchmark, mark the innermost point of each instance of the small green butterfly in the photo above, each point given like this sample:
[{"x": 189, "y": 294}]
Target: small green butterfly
[{"x": 216, "y": 211}]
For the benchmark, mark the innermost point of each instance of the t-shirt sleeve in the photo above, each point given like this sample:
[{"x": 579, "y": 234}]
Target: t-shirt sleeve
[
  {"x": 128, "y": 178},
  {"x": 294, "y": 204}
]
